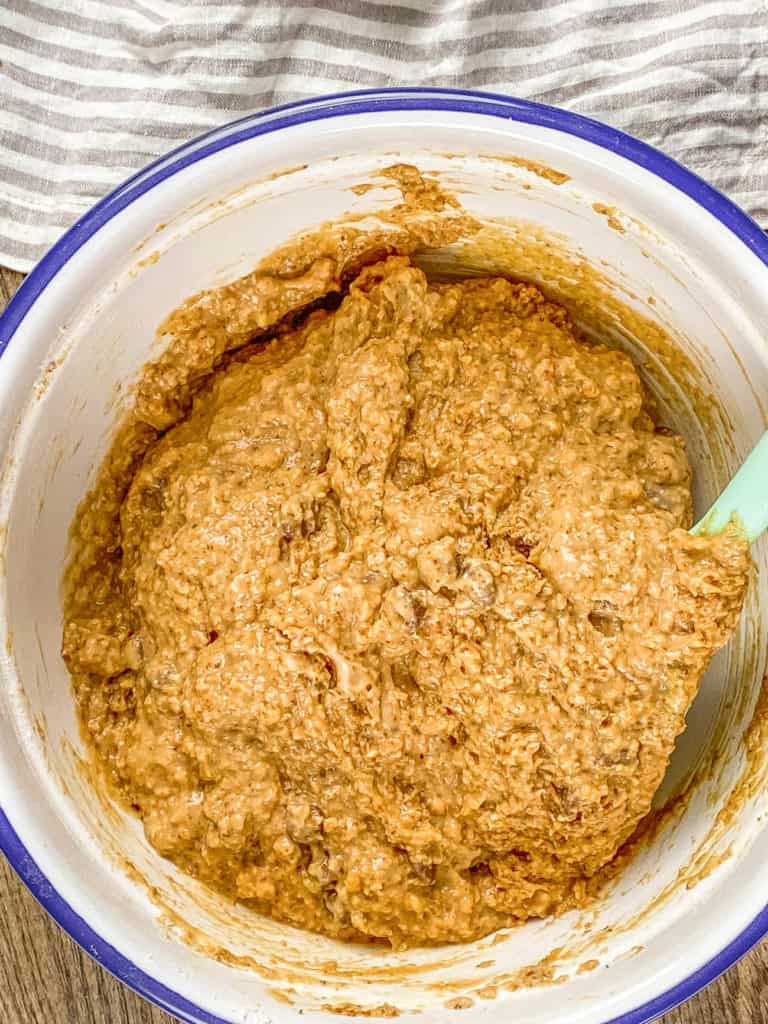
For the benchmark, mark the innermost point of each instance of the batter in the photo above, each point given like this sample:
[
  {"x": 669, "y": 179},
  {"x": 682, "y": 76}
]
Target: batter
[{"x": 387, "y": 627}]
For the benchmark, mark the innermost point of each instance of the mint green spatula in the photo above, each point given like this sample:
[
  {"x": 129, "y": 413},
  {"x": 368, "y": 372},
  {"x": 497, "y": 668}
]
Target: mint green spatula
[{"x": 745, "y": 500}]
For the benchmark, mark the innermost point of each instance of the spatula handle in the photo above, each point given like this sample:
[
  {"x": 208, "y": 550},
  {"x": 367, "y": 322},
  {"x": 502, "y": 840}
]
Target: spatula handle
[{"x": 744, "y": 502}]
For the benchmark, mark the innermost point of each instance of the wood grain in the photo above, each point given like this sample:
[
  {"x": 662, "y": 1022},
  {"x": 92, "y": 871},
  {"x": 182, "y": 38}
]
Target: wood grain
[
  {"x": 9, "y": 282},
  {"x": 45, "y": 978}
]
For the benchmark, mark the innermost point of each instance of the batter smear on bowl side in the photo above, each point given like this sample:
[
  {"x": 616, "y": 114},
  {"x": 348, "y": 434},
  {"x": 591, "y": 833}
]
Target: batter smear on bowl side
[{"x": 387, "y": 626}]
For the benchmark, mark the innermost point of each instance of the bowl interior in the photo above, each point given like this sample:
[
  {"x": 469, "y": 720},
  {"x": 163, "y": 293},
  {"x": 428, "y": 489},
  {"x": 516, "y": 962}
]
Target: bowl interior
[{"x": 637, "y": 261}]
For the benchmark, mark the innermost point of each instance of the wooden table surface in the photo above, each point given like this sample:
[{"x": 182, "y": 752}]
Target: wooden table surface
[{"x": 45, "y": 978}]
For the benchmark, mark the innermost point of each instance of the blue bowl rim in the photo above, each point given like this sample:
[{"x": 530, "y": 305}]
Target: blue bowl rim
[{"x": 276, "y": 119}]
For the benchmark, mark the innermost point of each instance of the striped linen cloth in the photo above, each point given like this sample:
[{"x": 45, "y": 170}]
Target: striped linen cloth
[{"x": 90, "y": 90}]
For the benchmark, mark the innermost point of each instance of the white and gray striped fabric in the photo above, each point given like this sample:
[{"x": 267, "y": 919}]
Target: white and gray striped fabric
[{"x": 90, "y": 90}]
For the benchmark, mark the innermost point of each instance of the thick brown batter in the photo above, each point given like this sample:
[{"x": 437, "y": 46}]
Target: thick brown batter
[{"x": 392, "y": 634}]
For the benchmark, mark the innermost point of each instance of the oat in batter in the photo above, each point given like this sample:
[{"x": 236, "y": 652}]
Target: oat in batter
[{"x": 390, "y": 635}]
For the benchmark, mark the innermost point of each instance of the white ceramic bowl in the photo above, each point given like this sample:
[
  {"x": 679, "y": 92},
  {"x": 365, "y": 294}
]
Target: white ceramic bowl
[{"x": 78, "y": 331}]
